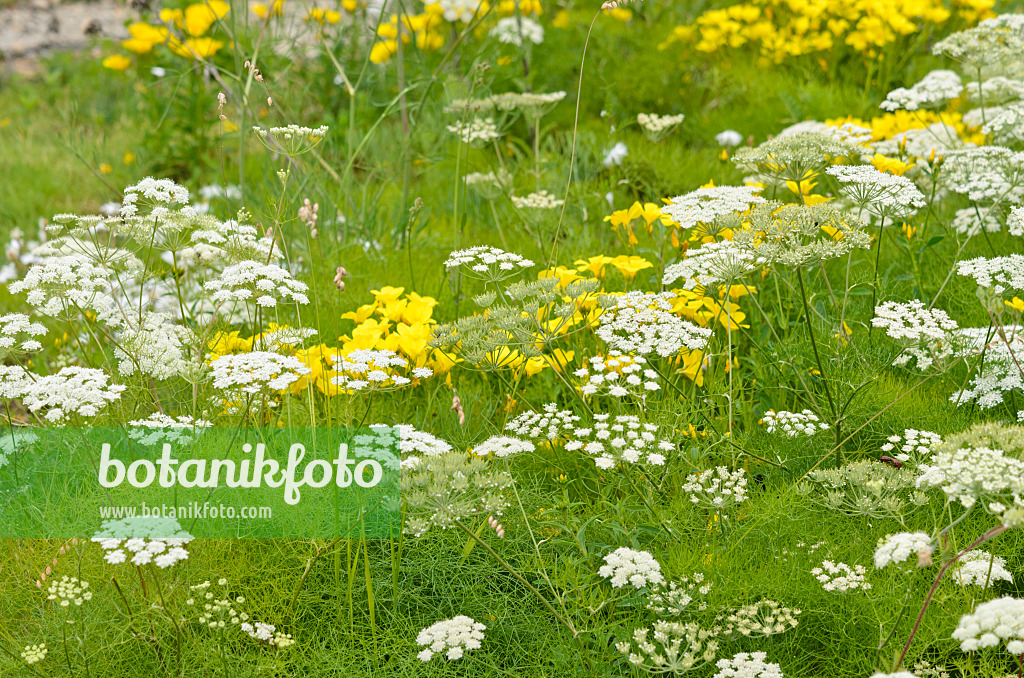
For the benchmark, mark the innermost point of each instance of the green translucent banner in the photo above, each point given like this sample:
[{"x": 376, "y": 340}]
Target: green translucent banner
[{"x": 203, "y": 482}]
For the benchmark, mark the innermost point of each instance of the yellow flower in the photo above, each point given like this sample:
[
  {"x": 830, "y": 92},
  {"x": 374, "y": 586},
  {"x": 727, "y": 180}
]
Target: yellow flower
[
  {"x": 350, "y": 5},
  {"x": 117, "y": 62},
  {"x": 323, "y": 16},
  {"x": 200, "y": 16},
  {"x": 1016, "y": 304},
  {"x": 106, "y": 168},
  {"x": 129, "y": 157},
  {"x": 264, "y": 11},
  {"x": 630, "y": 265},
  {"x": 619, "y": 13},
  {"x": 360, "y": 314},
  {"x": 387, "y": 294},
  {"x": 504, "y": 356},
  {"x": 565, "y": 275},
  {"x": 382, "y": 51},
  {"x": 194, "y": 48},
  {"x": 890, "y": 165},
  {"x": 594, "y": 264},
  {"x": 561, "y": 19},
  {"x": 418, "y": 309}
]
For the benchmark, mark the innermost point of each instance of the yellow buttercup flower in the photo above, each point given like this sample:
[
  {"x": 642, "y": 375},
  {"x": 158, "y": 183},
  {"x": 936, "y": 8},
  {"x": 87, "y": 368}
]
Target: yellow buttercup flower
[
  {"x": 323, "y": 16},
  {"x": 630, "y": 265},
  {"x": 1016, "y": 304},
  {"x": 117, "y": 62}
]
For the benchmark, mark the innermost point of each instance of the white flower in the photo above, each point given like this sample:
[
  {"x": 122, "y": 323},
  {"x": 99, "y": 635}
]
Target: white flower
[
  {"x": 977, "y": 568},
  {"x": 12, "y": 328},
  {"x": 626, "y": 566},
  {"x": 913, "y": 446},
  {"x": 880, "y": 193},
  {"x": 539, "y": 200},
  {"x": 155, "y": 192},
  {"x": 149, "y": 539},
  {"x": 459, "y": 10},
  {"x": 518, "y": 30},
  {"x": 252, "y": 373},
  {"x": 674, "y": 597},
  {"x": 717, "y": 489},
  {"x": 34, "y": 654},
  {"x": 923, "y": 332},
  {"x": 971, "y": 473},
  {"x": 622, "y": 440},
  {"x": 658, "y": 124},
  {"x": 502, "y": 446},
  {"x": 487, "y": 263},
  {"x": 704, "y": 205},
  {"x": 998, "y": 620},
  {"x": 616, "y": 154},
  {"x": 642, "y": 323},
  {"x": 747, "y": 665},
  {"x": 252, "y": 280},
  {"x": 714, "y": 263},
  {"x": 934, "y": 90},
  {"x": 793, "y": 423},
  {"x": 69, "y": 591},
  {"x": 998, "y": 273},
  {"x": 63, "y": 283},
  {"x": 672, "y": 648},
  {"x": 729, "y": 138},
  {"x": 476, "y": 131},
  {"x": 154, "y": 348},
  {"x": 73, "y": 390},
  {"x": 451, "y": 637},
  {"x": 376, "y": 370},
  {"x": 898, "y": 547},
  {"x": 840, "y": 577},
  {"x": 548, "y": 424}
]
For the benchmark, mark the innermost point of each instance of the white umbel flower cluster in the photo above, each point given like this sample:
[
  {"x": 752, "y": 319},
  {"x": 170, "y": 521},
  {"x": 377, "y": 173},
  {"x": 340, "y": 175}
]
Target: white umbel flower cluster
[
  {"x": 763, "y": 618},
  {"x": 627, "y": 566},
  {"x": 643, "y": 323},
  {"x": 747, "y": 665},
  {"x": 369, "y": 369},
  {"x": 793, "y": 424},
  {"x": 255, "y": 372},
  {"x": 261, "y": 283},
  {"x": 657, "y": 124},
  {"x": 971, "y": 221},
  {"x": 154, "y": 348},
  {"x": 717, "y": 489},
  {"x": 62, "y": 283},
  {"x": 935, "y": 89},
  {"x": 154, "y": 192},
  {"x": 617, "y": 375},
  {"x": 18, "y": 332},
  {"x": 74, "y": 390},
  {"x": 292, "y": 140},
  {"x": 548, "y": 424},
  {"x": 538, "y": 200},
  {"x": 477, "y": 131},
  {"x": 977, "y": 568},
  {"x": 924, "y": 332},
  {"x": 999, "y": 620},
  {"x": 487, "y": 263},
  {"x": 33, "y": 654},
  {"x": 622, "y": 439},
  {"x": 159, "y": 428},
  {"x": 1015, "y": 221},
  {"x": 670, "y": 647},
  {"x": 913, "y": 446},
  {"x": 840, "y": 577},
  {"x": 674, "y": 597},
  {"x": 459, "y": 10},
  {"x": 704, "y": 205},
  {"x": 267, "y": 633},
  {"x": 502, "y": 446},
  {"x": 1000, "y": 274},
  {"x": 969, "y": 474},
  {"x": 714, "y": 263},
  {"x": 518, "y": 31},
  {"x": 451, "y": 637},
  {"x": 413, "y": 442},
  {"x": 999, "y": 374},
  {"x": 897, "y": 548},
  {"x": 880, "y": 193},
  {"x": 141, "y": 541},
  {"x": 69, "y": 591}
]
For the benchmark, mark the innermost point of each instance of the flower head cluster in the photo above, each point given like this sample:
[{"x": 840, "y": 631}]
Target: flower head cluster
[
  {"x": 141, "y": 541},
  {"x": 74, "y": 390},
  {"x": 897, "y": 548},
  {"x": 548, "y": 424},
  {"x": 216, "y": 613},
  {"x": 705, "y": 205},
  {"x": 153, "y": 192},
  {"x": 993, "y": 41},
  {"x": 971, "y": 221},
  {"x": 747, "y": 665},
  {"x": 255, "y": 281},
  {"x": 539, "y": 200},
  {"x": 502, "y": 446},
  {"x": 840, "y": 577},
  {"x": 933, "y": 91},
  {"x": 518, "y": 31},
  {"x": 643, "y": 323},
  {"x": 987, "y": 175},
  {"x": 33, "y": 654},
  {"x": 459, "y": 10},
  {"x": 657, "y": 126},
  {"x": 999, "y": 373},
  {"x": 717, "y": 489},
  {"x": 267, "y": 633},
  {"x": 913, "y": 446},
  {"x": 977, "y": 568},
  {"x": 415, "y": 443},
  {"x": 999, "y": 274},
  {"x": 628, "y": 566},
  {"x": 670, "y": 647},
  {"x": 793, "y": 424},
  {"x": 622, "y": 439},
  {"x": 17, "y": 333},
  {"x": 452, "y": 637},
  {"x": 160, "y": 428},
  {"x": 617, "y": 375},
  {"x": 924, "y": 332},
  {"x": 69, "y": 591},
  {"x": 674, "y": 597},
  {"x": 802, "y": 235},
  {"x": 866, "y": 487},
  {"x": 369, "y": 369},
  {"x": 713, "y": 264},
  {"x": 974, "y": 472},
  {"x": 487, "y": 263},
  {"x": 880, "y": 193},
  {"x": 154, "y": 348},
  {"x": 763, "y": 618},
  {"x": 797, "y": 157},
  {"x": 478, "y": 131},
  {"x": 439, "y": 491},
  {"x": 253, "y": 373},
  {"x": 1015, "y": 221},
  {"x": 997, "y": 620},
  {"x": 291, "y": 140},
  {"x": 62, "y": 283}
]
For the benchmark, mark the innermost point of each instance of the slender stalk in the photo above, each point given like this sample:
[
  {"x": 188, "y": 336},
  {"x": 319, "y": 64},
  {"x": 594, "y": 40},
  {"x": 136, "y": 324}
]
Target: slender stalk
[{"x": 817, "y": 356}]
